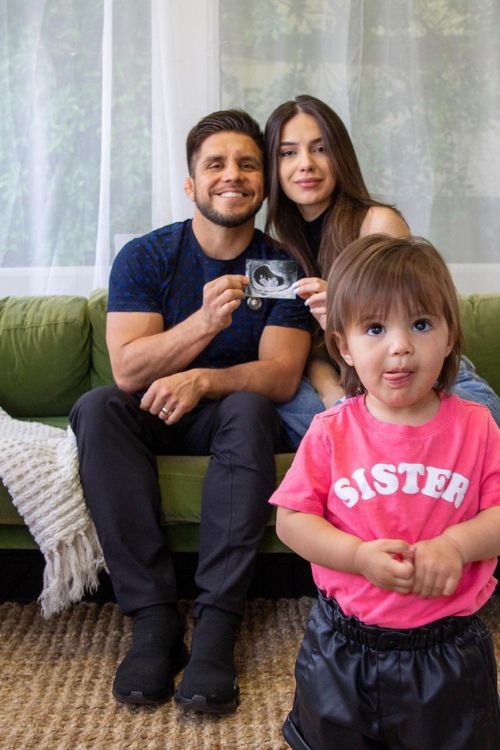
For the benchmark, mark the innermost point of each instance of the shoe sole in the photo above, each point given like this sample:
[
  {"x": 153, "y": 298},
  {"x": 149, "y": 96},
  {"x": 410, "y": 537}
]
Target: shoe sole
[
  {"x": 200, "y": 704},
  {"x": 137, "y": 697}
]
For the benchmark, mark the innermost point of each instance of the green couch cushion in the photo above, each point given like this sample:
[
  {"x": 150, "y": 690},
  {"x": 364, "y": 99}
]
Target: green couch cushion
[
  {"x": 100, "y": 373},
  {"x": 181, "y": 482},
  {"x": 44, "y": 354},
  {"x": 480, "y": 317},
  {"x": 481, "y": 324}
]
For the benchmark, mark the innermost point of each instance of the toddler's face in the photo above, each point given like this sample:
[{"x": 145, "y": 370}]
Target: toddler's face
[{"x": 398, "y": 358}]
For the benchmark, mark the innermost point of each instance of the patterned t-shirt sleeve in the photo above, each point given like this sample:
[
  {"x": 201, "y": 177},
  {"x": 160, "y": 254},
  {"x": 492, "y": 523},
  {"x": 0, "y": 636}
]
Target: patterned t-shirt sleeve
[
  {"x": 490, "y": 479},
  {"x": 134, "y": 282},
  {"x": 291, "y": 313}
]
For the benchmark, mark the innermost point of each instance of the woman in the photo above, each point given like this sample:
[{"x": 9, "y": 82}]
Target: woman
[{"x": 317, "y": 204}]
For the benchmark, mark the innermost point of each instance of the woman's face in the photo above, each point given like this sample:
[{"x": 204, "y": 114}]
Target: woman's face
[{"x": 304, "y": 169}]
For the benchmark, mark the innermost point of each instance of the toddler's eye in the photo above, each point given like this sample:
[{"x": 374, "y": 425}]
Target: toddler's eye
[
  {"x": 422, "y": 325},
  {"x": 375, "y": 329}
]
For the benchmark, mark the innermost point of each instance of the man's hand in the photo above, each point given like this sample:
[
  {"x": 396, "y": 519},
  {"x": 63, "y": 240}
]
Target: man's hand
[
  {"x": 221, "y": 297},
  {"x": 438, "y": 567},
  {"x": 171, "y": 397},
  {"x": 387, "y": 563}
]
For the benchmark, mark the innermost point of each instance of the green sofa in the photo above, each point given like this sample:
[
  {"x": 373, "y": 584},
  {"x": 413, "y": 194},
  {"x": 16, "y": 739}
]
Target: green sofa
[{"x": 52, "y": 349}]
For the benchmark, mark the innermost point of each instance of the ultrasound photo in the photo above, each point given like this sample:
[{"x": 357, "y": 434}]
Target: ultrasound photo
[{"x": 271, "y": 278}]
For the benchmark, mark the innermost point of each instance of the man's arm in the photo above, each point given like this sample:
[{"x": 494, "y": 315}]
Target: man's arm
[
  {"x": 141, "y": 351},
  {"x": 276, "y": 374}
]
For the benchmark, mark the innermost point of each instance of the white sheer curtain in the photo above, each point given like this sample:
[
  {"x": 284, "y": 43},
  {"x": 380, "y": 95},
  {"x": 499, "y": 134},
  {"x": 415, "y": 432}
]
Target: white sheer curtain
[
  {"x": 417, "y": 84},
  {"x": 96, "y": 99}
]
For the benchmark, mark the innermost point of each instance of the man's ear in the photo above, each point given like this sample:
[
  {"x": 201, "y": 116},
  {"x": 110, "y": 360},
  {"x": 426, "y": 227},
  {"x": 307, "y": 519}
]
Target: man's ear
[
  {"x": 343, "y": 349},
  {"x": 189, "y": 188}
]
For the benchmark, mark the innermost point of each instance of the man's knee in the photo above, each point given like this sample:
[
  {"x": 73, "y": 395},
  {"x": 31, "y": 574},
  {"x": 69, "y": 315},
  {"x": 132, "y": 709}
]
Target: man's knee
[
  {"x": 93, "y": 406},
  {"x": 249, "y": 408},
  {"x": 253, "y": 418}
]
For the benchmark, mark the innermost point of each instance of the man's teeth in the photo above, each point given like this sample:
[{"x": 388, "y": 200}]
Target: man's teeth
[{"x": 231, "y": 194}]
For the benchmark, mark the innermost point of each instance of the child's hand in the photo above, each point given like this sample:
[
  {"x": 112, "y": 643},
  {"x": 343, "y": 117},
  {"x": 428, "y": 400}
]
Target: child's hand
[
  {"x": 387, "y": 563},
  {"x": 438, "y": 567}
]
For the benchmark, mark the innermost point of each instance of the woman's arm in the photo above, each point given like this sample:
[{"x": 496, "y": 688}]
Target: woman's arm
[
  {"x": 384, "y": 220},
  {"x": 325, "y": 380}
]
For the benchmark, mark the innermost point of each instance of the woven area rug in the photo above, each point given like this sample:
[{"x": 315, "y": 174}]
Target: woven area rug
[{"x": 56, "y": 678}]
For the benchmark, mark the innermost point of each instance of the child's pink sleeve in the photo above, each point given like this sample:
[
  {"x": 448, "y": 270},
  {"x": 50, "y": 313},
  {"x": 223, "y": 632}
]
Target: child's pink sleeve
[
  {"x": 490, "y": 476},
  {"x": 307, "y": 482}
]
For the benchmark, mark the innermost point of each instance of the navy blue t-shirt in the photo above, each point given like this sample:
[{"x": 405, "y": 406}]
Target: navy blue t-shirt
[{"x": 165, "y": 272}]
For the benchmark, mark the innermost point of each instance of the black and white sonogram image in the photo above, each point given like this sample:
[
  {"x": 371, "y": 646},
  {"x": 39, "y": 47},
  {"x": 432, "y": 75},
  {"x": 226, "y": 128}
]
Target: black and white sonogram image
[{"x": 271, "y": 278}]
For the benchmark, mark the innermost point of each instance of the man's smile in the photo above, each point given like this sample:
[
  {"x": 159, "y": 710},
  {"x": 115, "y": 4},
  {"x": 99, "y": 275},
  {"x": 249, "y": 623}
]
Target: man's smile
[{"x": 232, "y": 194}]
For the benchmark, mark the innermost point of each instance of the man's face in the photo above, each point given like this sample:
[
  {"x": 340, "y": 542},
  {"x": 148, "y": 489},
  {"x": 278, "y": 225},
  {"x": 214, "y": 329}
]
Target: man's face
[{"x": 228, "y": 181}]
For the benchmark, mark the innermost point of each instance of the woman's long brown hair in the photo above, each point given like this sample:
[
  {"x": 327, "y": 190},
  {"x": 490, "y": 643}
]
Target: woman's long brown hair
[{"x": 350, "y": 199}]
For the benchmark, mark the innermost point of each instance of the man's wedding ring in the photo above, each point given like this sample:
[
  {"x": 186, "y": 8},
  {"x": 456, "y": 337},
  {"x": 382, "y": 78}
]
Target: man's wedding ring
[{"x": 167, "y": 412}]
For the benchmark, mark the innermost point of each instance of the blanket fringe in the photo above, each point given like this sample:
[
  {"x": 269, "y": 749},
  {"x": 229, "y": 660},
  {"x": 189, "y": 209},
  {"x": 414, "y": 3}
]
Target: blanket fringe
[
  {"x": 39, "y": 467},
  {"x": 71, "y": 569}
]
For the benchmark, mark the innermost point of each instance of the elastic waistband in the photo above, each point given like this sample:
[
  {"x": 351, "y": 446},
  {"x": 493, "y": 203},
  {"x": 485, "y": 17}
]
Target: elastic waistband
[{"x": 389, "y": 639}]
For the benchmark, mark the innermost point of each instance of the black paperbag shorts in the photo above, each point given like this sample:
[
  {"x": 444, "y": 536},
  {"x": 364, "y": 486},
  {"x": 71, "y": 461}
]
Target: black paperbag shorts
[{"x": 360, "y": 687}]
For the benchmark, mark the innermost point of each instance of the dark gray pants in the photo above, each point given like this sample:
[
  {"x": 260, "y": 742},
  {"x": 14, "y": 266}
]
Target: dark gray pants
[
  {"x": 360, "y": 687},
  {"x": 117, "y": 444}
]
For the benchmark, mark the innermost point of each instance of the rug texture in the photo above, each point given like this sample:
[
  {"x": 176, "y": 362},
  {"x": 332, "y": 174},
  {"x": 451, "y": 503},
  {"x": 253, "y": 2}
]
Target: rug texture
[{"x": 56, "y": 675}]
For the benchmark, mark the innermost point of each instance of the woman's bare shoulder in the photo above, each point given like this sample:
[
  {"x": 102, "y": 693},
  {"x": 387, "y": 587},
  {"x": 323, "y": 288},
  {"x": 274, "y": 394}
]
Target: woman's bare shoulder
[{"x": 383, "y": 220}]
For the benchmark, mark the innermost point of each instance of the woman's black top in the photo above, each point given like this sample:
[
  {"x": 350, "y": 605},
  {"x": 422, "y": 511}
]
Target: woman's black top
[{"x": 313, "y": 230}]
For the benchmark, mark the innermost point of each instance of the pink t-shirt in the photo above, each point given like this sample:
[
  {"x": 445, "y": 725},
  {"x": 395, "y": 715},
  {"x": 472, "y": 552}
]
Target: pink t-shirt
[{"x": 377, "y": 480}]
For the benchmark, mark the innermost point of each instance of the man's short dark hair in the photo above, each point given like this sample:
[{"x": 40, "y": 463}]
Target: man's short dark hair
[{"x": 232, "y": 120}]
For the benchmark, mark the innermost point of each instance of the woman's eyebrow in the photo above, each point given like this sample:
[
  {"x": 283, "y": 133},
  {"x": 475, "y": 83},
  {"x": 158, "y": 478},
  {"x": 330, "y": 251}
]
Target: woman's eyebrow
[{"x": 295, "y": 143}]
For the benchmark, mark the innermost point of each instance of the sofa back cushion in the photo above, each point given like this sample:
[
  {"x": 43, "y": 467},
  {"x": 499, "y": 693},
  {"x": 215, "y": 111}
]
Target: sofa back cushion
[
  {"x": 44, "y": 354},
  {"x": 480, "y": 318},
  {"x": 481, "y": 324},
  {"x": 100, "y": 367}
]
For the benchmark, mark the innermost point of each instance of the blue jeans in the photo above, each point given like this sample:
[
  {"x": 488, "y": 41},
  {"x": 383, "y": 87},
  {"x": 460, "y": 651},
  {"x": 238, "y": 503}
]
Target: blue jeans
[
  {"x": 297, "y": 413},
  {"x": 471, "y": 387}
]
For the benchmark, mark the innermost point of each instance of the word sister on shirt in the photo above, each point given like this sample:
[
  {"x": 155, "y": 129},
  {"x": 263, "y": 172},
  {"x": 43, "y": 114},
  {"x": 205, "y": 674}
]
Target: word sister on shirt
[{"x": 386, "y": 479}]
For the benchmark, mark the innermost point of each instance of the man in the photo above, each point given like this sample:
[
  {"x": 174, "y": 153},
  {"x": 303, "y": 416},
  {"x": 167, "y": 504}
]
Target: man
[{"x": 197, "y": 371}]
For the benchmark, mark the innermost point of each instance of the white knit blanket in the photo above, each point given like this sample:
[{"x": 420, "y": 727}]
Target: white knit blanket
[{"x": 39, "y": 467}]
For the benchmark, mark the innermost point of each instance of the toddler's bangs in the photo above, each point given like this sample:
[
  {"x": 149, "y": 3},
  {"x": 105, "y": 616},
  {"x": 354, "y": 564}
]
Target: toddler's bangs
[{"x": 379, "y": 288}]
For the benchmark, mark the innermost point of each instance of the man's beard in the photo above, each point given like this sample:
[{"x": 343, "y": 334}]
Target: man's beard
[{"x": 224, "y": 220}]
